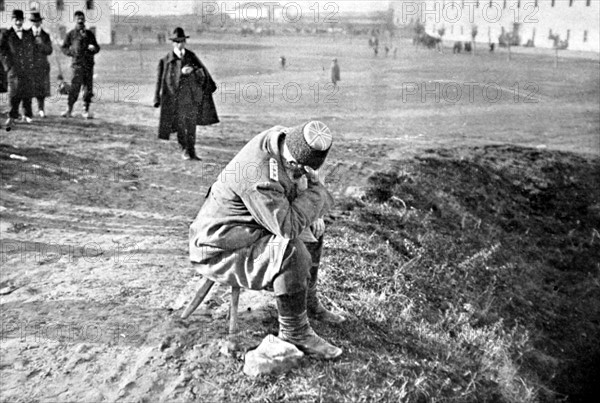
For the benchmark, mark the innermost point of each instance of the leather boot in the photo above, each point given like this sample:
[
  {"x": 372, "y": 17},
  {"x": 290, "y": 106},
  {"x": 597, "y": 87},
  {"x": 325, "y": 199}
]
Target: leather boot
[
  {"x": 316, "y": 310},
  {"x": 295, "y": 328}
]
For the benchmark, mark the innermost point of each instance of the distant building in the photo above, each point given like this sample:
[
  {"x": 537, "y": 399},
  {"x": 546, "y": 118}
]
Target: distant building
[
  {"x": 539, "y": 23},
  {"x": 58, "y": 15}
]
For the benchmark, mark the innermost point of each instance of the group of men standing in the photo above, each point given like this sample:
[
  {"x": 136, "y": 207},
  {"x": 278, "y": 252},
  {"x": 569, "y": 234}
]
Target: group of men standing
[{"x": 24, "y": 54}]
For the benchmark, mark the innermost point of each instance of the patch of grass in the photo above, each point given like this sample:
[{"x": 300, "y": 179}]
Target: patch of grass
[{"x": 465, "y": 258}]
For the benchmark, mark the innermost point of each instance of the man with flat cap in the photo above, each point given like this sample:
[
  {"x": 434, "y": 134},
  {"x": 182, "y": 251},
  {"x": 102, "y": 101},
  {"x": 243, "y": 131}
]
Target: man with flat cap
[
  {"x": 16, "y": 49},
  {"x": 42, "y": 48},
  {"x": 80, "y": 44},
  {"x": 261, "y": 227},
  {"x": 184, "y": 89}
]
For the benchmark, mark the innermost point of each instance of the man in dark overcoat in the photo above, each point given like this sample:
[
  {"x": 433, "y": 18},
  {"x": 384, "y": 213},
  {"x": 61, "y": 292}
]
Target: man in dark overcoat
[
  {"x": 184, "y": 89},
  {"x": 16, "y": 49},
  {"x": 80, "y": 44},
  {"x": 42, "y": 48}
]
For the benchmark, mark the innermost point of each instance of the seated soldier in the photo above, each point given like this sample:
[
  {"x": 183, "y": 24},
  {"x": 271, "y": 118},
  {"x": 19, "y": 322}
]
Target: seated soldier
[{"x": 261, "y": 227}]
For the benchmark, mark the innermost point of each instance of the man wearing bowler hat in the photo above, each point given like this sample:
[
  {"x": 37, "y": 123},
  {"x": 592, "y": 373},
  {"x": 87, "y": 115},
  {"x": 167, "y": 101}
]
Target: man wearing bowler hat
[
  {"x": 80, "y": 44},
  {"x": 261, "y": 227},
  {"x": 16, "y": 49},
  {"x": 42, "y": 48},
  {"x": 184, "y": 89}
]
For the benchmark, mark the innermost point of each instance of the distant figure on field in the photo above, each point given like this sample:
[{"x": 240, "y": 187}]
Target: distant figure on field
[
  {"x": 335, "y": 72},
  {"x": 42, "y": 48},
  {"x": 183, "y": 93},
  {"x": 16, "y": 49},
  {"x": 375, "y": 45},
  {"x": 81, "y": 45},
  {"x": 282, "y": 62},
  {"x": 64, "y": 88},
  {"x": 458, "y": 47}
]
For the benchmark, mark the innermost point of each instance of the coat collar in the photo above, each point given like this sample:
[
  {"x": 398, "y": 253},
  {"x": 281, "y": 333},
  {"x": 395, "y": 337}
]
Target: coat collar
[
  {"x": 276, "y": 136},
  {"x": 171, "y": 57}
]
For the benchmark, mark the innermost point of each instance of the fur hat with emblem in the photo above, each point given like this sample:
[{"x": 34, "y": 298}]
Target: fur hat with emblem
[{"x": 309, "y": 143}]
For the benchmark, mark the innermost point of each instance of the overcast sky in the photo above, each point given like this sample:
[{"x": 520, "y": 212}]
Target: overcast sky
[{"x": 163, "y": 7}]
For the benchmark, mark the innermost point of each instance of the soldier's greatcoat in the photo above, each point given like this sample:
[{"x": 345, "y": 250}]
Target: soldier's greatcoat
[
  {"x": 251, "y": 213},
  {"x": 168, "y": 88}
]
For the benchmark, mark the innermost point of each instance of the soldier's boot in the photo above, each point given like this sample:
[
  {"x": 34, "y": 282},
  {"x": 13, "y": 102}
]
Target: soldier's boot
[
  {"x": 295, "y": 328},
  {"x": 316, "y": 310}
]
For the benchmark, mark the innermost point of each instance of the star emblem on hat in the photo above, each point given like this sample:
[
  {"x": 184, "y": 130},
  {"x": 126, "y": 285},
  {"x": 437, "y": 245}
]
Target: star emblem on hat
[{"x": 318, "y": 135}]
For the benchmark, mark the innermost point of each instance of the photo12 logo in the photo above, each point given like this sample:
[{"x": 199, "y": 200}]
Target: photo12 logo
[
  {"x": 290, "y": 92},
  {"x": 91, "y": 252},
  {"x": 454, "y": 92},
  {"x": 270, "y": 11},
  {"x": 453, "y": 11},
  {"x": 70, "y": 332},
  {"x": 57, "y": 11}
]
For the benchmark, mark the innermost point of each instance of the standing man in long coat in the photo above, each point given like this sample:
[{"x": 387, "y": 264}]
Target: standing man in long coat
[
  {"x": 42, "y": 48},
  {"x": 80, "y": 44},
  {"x": 16, "y": 49},
  {"x": 261, "y": 227},
  {"x": 335, "y": 72},
  {"x": 184, "y": 89}
]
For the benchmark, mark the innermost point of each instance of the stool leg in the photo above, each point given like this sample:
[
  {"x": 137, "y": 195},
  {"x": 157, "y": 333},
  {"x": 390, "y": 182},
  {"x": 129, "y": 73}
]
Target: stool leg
[
  {"x": 203, "y": 290},
  {"x": 233, "y": 311}
]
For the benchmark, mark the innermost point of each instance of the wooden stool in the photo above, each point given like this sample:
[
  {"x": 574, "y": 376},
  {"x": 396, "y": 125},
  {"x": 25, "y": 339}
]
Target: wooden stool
[{"x": 203, "y": 290}]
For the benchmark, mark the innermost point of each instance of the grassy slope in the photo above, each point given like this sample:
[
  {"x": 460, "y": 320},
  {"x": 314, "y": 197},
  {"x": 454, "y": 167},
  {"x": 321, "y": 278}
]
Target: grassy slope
[{"x": 461, "y": 283}]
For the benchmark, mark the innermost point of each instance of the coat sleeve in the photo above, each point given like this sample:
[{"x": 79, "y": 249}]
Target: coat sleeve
[
  {"x": 5, "y": 51},
  {"x": 199, "y": 73},
  {"x": 46, "y": 46},
  {"x": 93, "y": 42},
  {"x": 208, "y": 84},
  {"x": 66, "y": 46},
  {"x": 269, "y": 206},
  {"x": 157, "y": 91}
]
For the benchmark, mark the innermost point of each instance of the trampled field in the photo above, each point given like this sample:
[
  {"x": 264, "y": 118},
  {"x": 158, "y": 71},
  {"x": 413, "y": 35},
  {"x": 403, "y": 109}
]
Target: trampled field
[{"x": 464, "y": 244}]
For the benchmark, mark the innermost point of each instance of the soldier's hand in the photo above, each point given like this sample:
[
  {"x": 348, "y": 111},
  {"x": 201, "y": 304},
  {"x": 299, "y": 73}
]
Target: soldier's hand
[
  {"x": 187, "y": 70},
  {"x": 312, "y": 174},
  {"x": 318, "y": 228},
  {"x": 91, "y": 48}
]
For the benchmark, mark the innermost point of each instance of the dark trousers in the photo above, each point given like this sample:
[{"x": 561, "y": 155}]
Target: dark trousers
[
  {"x": 40, "y": 101},
  {"x": 300, "y": 267},
  {"x": 15, "y": 101},
  {"x": 82, "y": 77},
  {"x": 187, "y": 115}
]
